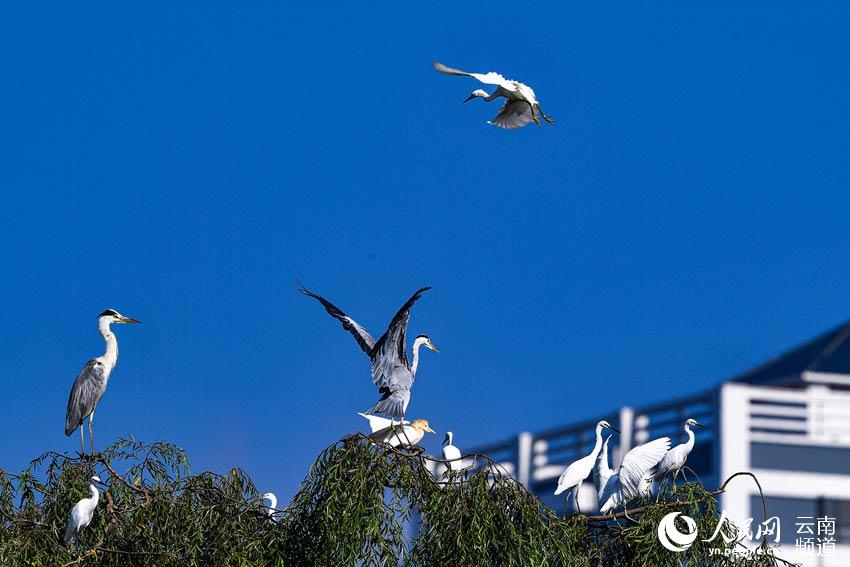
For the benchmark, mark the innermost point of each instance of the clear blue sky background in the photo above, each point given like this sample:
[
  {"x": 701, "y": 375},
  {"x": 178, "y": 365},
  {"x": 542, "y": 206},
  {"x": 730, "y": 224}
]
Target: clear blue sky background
[{"x": 685, "y": 218}]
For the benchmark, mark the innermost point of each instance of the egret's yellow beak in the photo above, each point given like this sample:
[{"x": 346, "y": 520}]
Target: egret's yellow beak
[
  {"x": 430, "y": 345},
  {"x": 428, "y": 429},
  {"x": 128, "y": 320}
]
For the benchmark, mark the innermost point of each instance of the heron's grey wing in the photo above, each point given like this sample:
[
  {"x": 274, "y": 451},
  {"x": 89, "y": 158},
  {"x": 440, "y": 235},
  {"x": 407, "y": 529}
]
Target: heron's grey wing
[
  {"x": 361, "y": 335},
  {"x": 490, "y": 78},
  {"x": 390, "y": 352},
  {"x": 85, "y": 394},
  {"x": 513, "y": 114},
  {"x": 638, "y": 462}
]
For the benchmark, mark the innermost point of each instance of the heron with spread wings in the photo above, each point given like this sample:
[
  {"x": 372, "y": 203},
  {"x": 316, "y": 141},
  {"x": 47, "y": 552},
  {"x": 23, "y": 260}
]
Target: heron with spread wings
[
  {"x": 391, "y": 372},
  {"x": 521, "y": 106}
]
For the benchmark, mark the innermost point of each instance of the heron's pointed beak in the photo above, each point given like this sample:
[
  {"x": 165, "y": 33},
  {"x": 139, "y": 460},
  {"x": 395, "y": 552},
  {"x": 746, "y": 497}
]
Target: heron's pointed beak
[
  {"x": 428, "y": 429},
  {"x": 432, "y": 347},
  {"x": 699, "y": 425},
  {"x": 615, "y": 429},
  {"x": 128, "y": 320},
  {"x": 470, "y": 97}
]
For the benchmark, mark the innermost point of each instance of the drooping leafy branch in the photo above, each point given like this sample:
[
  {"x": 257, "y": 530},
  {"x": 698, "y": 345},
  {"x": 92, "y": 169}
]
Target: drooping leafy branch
[{"x": 360, "y": 504}]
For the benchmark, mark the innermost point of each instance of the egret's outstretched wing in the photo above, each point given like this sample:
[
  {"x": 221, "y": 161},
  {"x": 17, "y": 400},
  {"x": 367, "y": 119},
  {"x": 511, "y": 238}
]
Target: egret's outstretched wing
[
  {"x": 390, "y": 351},
  {"x": 514, "y": 113},
  {"x": 490, "y": 78},
  {"x": 361, "y": 335},
  {"x": 638, "y": 462},
  {"x": 85, "y": 394}
]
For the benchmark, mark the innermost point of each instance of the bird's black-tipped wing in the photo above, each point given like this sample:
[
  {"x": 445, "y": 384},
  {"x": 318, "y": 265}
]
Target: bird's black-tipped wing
[
  {"x": 86, "y": 392},
  {"x": 361, "y": 335},
  {"x": 390, "y": 349}
]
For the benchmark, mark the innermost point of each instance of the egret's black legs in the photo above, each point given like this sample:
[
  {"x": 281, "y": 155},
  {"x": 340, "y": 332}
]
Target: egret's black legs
[{"x": 575, "y": 495}]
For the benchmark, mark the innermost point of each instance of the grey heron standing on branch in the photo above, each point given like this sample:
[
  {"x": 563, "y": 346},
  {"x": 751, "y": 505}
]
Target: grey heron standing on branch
[
  {"x": 90, "y": 385},
  {"x": 391, "y": 372},
  {"x": 521, "y": 106}
]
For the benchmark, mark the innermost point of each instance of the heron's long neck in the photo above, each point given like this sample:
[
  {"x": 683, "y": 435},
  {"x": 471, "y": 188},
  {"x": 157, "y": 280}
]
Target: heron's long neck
[
  {"x": 111, "y": 354},
  {"x": 598, "y": 445},
  {"x": 492, "y": 97},
  {"x": 415, "y": 364},
  {"x": 690, "y": 442},
  {"x": 95, "y": 495},
  {"x": 272, "y": 501}
]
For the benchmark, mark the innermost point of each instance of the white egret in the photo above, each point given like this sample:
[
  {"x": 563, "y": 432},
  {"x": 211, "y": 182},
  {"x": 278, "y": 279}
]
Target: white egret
[
  {"x": 90, "y": 384},
  {"x": 521, "y": 106},
  {"x": 630, "y": 479},
  {"x": 270, "y": 509},
  {"x": 397, "y": 434},
  {"x": 575, "y": 474},
  {"x": 391, "y": 372},
  {"x": 83, "y": 511},
  {"x": 676, "y": 457},
  {"x": 451, "y": 453},
  {"x": 601, "y": 471}
]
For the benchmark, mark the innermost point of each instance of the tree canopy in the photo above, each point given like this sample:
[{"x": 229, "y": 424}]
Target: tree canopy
[{"x": 360, "y": 504}]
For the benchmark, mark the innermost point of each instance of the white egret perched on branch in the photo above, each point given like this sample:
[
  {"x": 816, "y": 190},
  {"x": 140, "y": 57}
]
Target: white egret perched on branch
[
  {"x": 391, "y": 372},
  {"x": 521, "y": 106},
  {"x": 630, "y": 479},
  {"x": 91, "y": 383},
  {"x": 676, "y": 457},
  {"x": 397, "y": 433},
  {"x": 579, "y": 470},
  {"x": 270, "y": 509},
  {"x": 83, "y": 511},
  {"x": 451, "y": 453}
]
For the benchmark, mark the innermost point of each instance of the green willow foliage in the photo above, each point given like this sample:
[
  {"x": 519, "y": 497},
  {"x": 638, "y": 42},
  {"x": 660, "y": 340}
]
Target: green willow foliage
[{"x": 353, "y": 508}]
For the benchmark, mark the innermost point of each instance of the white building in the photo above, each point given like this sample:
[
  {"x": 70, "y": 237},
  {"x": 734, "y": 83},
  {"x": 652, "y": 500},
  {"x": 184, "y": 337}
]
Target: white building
[{"x": 787, "y": 421}]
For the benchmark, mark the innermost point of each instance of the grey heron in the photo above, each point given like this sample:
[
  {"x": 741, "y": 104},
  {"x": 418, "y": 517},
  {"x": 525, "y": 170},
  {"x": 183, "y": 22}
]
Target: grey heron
[
  {"x": 573, "y": 477},
  {"x": 83, "y": 511},
  {"x": 676, "y": 457},
  {"x": 629, "y": 481},
  {"x": 91, "y": 383},
  {"x": 395, "y": 433},
  {"x": 391, "y": 372},
  {"x": 521, "y": 105},
  {"x": 451, "y": 453}
]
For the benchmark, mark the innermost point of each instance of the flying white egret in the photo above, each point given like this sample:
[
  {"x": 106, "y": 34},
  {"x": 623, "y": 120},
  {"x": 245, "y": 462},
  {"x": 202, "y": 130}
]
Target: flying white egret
[
  {"x": 575, "y": 474},
  {"x": 90, "y": 384},
  {"x": 521, "y": 106},
  {"x": 676, "y": 457},
  {"x": 630, "y": 479},
  {"x": 391, "y": 372},
  {"x": 397, "y": 434},
  {"x": 270, "y": 509},
  {"x": 452, "y": 453},
  {"x": 82, "y": 512}
]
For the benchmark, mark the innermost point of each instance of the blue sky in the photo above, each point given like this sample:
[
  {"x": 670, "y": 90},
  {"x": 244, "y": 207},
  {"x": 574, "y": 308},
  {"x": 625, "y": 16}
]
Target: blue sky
[{"x": 684, "y": 219}]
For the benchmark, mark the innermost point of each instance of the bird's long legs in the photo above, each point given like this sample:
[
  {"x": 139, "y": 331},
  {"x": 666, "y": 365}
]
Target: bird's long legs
[
  {"x": 82, "y": 440},
  {"x": 534, "y": 115},
  {"x": 575, "y": 495},
  {"x": 545, "y": 116},
  {"x": 91, "y": 431}
]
